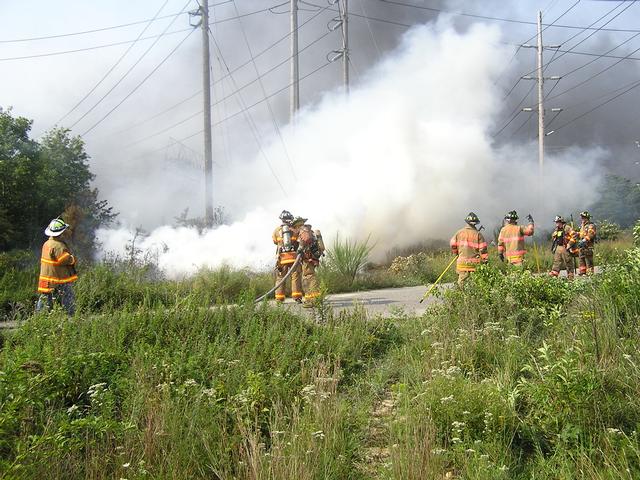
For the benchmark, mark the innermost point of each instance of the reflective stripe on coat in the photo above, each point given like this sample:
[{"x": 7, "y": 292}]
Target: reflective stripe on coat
[
  {"x": 511, "y": 241},
  {"x": 471, "y": 248},
  {"x": 57, "y": 265}
]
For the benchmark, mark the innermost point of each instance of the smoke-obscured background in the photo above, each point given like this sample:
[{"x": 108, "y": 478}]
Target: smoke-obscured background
[{"x": 431, "y": 130}]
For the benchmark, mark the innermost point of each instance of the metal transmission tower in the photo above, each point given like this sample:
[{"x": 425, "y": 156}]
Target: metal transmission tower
[
  {"x": 342, "y": 22},
  {"x": 203, "y": 12},
  {"x": 295, "y": 74},
  {"x": 540, "y": 78}
]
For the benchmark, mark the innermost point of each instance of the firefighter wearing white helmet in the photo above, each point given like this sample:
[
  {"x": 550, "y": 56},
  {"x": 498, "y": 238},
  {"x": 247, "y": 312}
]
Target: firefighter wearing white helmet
[
  {"x": 285, "y": 237},
  {"x": 57, "y": 269},
  {"x": 470, "y": 246}
]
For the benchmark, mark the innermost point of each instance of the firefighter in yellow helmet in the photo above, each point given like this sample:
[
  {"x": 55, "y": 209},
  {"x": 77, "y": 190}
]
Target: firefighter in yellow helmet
[
  {"x": 285, "y": 237},
  {"x": 511, "y": 239},
  {"x": 564, "y": 248},
  {"x": 57, "y": 269},
  {"x": 587, "y": 239},
  {"x": 312, "y": 249},
  {"x": 470, "y": 247}
]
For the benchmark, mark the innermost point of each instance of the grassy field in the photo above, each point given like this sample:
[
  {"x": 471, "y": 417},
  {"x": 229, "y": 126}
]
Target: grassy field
[{"x": 514, "y": 376}]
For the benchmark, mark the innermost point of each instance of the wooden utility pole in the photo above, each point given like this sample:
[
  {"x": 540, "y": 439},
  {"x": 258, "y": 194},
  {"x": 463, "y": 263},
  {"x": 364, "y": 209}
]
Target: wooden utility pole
[
  {"x": 206, "y": 88},
  {"x": 345, "y": 44},
  {"x": 295, "y": 76},
  {"x": 540, "y": 78}
]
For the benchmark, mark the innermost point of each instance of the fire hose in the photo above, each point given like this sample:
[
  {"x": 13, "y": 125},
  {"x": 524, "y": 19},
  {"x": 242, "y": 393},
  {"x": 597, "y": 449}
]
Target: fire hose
[{"x": 284, "y": 279}]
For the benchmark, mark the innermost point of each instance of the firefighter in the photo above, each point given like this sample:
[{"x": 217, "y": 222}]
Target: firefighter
[
  {"x": 511, "y": 239},
  {"x": 57, "y": 269},
  {"x": 285, "y": 237},
  {"x": 587, "y": 239},
  {"x": 470, "y": 247},
  {"x": 564, "y": 248},
  {"x": 312, "y": 249}
]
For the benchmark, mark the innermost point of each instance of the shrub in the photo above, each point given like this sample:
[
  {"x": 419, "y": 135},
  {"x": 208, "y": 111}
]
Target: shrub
[
  {"x": 348, "y": 257},
  {"x": 608, "y": 230}
]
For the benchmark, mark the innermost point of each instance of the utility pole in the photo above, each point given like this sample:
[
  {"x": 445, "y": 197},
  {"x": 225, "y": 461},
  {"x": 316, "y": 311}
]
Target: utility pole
[
  {"x": 342, "y": 22},
  {"x": 345, "y": 44},
  {"x": 206, "y": 88},
  {"x": 540, "y": 78},
  {"x": 295, "y": 76},
  {"x": 203, "y": 13}
]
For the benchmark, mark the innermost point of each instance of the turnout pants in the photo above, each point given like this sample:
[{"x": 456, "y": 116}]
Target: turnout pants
[
  {"x": 310, "y": 282},
  {"x": 562, "y": 260},
  {"x": 585, "y": 261},
  {"x": 296, "y": 283}
]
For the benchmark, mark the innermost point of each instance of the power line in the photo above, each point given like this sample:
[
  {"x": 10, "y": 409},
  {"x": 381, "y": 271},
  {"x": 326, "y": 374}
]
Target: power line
[
  {"x": 633, "y": 86},
  {"x": 251, "y": 82},
  {"x": 121, "y": 79},
  {"x": 600, "y": 55},
  {"x": 501, "y": 19},
  {"x": 114, "y": 65},
  {"x": 264, "y": 92},
  {"x": 139, "y": 84},
  {"x": 597, "y": 29},
  {"x": 594, "y": 75},
  {"x": 252, "y": 124},
  {"x": 259, "y": 54},
  {"x": 527, "y": 41},
  {"x": 125, "y": 42},
  {"x": 249, "y": 107},
  {"x": 103, "y": 29}
]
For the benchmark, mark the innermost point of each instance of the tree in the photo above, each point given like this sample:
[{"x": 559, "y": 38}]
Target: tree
[
  {"x": 618, "y": 201},
  {"x": 39, "y": 182}
]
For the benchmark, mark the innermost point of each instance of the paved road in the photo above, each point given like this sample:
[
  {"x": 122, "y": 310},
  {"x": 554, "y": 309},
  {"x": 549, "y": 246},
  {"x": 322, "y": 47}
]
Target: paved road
[{"x": 384, "y": 302}]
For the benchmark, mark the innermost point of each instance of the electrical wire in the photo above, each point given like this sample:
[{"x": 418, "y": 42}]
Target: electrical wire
[
  {"x": 259, "y": 54},
  {"x": 131, "y": 68},
  {"x": 500, "y": 19},
  {"x": 138, "y": 85},
  {"x": 249, "y": 107},
  {"x": 251, "y": 82},
  {"x": 103, "y": 29},
  {"x": 250, "y": 121},
  {"x": 527, "y": 41},
  {"x": 592, "y": 33},
  {"x": 104, "y": 77},
  {"x": 125, "y": 42},
  {"x": 594, "y": 75},
  {"x": 633, "y": 86},
  {"x": 264, "y": 92}
]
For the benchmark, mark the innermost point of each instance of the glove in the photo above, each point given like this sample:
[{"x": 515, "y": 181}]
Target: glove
[
  {"x": 530, "y": 218},
  {"x": 501, "y": 256},
  {"x": 582, "y": 243}
]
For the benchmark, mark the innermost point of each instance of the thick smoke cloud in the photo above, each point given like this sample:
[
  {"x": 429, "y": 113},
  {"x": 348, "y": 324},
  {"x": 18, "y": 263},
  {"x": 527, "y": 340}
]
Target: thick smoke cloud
[{"x": 402, "y": 159}]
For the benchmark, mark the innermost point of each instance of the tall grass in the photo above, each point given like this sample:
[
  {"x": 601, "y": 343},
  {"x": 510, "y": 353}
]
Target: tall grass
[{"x": 348, "y": 257}]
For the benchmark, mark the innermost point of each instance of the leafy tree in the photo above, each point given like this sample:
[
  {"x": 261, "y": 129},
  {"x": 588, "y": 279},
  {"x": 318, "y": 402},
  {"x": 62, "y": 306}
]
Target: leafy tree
[
  {"x": 40, "y": 181},
  {"x": 618, "y": 201}
]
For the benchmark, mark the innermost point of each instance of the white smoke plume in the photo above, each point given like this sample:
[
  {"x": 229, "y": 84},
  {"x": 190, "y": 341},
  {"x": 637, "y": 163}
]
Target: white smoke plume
[{"x": 403, "y": 159}]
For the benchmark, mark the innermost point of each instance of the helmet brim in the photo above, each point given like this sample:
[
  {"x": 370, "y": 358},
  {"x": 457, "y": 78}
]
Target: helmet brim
[{"x": 51, "y": 233}]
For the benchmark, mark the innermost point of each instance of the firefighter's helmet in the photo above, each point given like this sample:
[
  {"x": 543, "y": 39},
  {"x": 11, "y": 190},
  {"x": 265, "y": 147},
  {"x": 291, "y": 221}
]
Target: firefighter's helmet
[
  {"x": 286, "y": 217},
  {"x": 585, "y": 214},
  {"x": 559, "y": 219},
  {"x": 298, "y": 221},
  {"x": 512, "y": 216},
  {"x": 472, "y": 219},
  {"x": 56, "y": 227}
]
